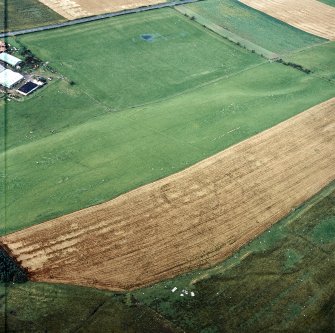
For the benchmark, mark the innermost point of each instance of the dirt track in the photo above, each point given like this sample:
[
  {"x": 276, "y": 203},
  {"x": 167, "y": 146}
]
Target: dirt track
[
  {"x": 73, "y": 9},
  {"x": 192, "y": 219},
  {"x": 311, "y": 16}
]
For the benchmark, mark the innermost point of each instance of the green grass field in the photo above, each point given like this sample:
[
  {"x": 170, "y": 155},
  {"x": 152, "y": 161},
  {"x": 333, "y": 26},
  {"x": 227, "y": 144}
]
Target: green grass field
[
  {"x": 67, "y": 147},
  {"x": 281, "y": 281},
  {"x": 22, "y": 14},
  {"x": 320, "y": 59},
  {"x": 254, "y": 26},
  {"x": 122, "y": 70}
]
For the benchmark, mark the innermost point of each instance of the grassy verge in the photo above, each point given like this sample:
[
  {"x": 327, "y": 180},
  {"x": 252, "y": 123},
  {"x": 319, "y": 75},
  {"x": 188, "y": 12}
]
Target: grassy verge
[{"x": 22, "y": 14}]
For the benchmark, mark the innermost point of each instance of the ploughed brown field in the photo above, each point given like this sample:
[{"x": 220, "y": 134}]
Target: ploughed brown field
[
  {"x": 72, "y": 9},
  {"x": 311, "y": 16},
  {"x": 192, "y": 219}
]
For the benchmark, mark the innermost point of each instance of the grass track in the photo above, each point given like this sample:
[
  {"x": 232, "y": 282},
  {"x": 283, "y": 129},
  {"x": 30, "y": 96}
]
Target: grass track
[
  {"x": 27, "y": 14},
  {"x": 254, "y": 26}
]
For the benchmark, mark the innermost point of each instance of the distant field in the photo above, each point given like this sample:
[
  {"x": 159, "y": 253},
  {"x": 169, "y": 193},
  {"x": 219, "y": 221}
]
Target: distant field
[
  {"x": 82, "y": 8},
  {"x": 280, "y": 282},
  {"x": 122, "y": 69},
  {"x": 114, "y": 153},
  {"x": 257, "y": 27},
  {"x": 311, "y": 16},
  {"x": 23, "y": 14},
  {"x": 319, "y": 59}
]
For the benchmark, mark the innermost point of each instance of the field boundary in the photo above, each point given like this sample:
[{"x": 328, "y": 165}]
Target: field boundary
[
  {"x": 235, "y": 38},
  {"x": 96, "y": 18}
]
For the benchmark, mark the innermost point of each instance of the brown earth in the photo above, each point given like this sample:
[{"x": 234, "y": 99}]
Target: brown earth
[
  {"x": 72, "y": 9},
  {"x": 311, "y": 16},
  {"x": 192, "y": 219}
]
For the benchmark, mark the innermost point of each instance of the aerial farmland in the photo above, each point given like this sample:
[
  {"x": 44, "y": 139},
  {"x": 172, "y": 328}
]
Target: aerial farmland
[{"x": 167, "y": 166}]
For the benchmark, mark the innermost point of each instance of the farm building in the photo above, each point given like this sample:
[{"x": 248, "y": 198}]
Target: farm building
[
  {"x": 29, "y": 87},
  {"x": 8, "y": 78},
  {"x": 2, "y": 68},
  {"x": 9, "y": 59},
  {"x": 2, "y": 46}
]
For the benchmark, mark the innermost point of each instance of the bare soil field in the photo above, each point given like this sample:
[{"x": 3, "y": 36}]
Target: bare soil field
[
  {"x": 72, "y": 9},
  {"x": 192, "y": 219},
  {"x": 311, "y": 16}
]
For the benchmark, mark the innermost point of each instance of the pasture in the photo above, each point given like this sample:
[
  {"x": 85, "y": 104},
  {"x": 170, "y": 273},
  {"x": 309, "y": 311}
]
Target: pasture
[
  {"x": 89, "y": 163},
  {"x": 23, "y": 14},
  {"x": 195, "y": 218},
  {"x": 123, "y": 69},
  {"x": 257, "y": 27}
]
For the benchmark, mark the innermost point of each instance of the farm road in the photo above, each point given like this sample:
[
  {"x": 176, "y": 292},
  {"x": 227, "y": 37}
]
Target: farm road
[{"x": 96, "y": 18}]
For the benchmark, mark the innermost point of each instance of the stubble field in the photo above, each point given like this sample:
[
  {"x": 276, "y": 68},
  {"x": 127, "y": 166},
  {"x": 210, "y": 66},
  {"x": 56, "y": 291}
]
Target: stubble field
[{"x": 72, "y": 9}]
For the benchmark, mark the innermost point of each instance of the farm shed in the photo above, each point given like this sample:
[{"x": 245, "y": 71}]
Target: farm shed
[
  {"x": 8, "y": 78},
  {"x": 9, "y": 59},
  {"x": 28, "y": 88}
]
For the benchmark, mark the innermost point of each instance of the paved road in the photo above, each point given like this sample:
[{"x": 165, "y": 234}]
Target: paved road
[{"x": 96, "y": 18}]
